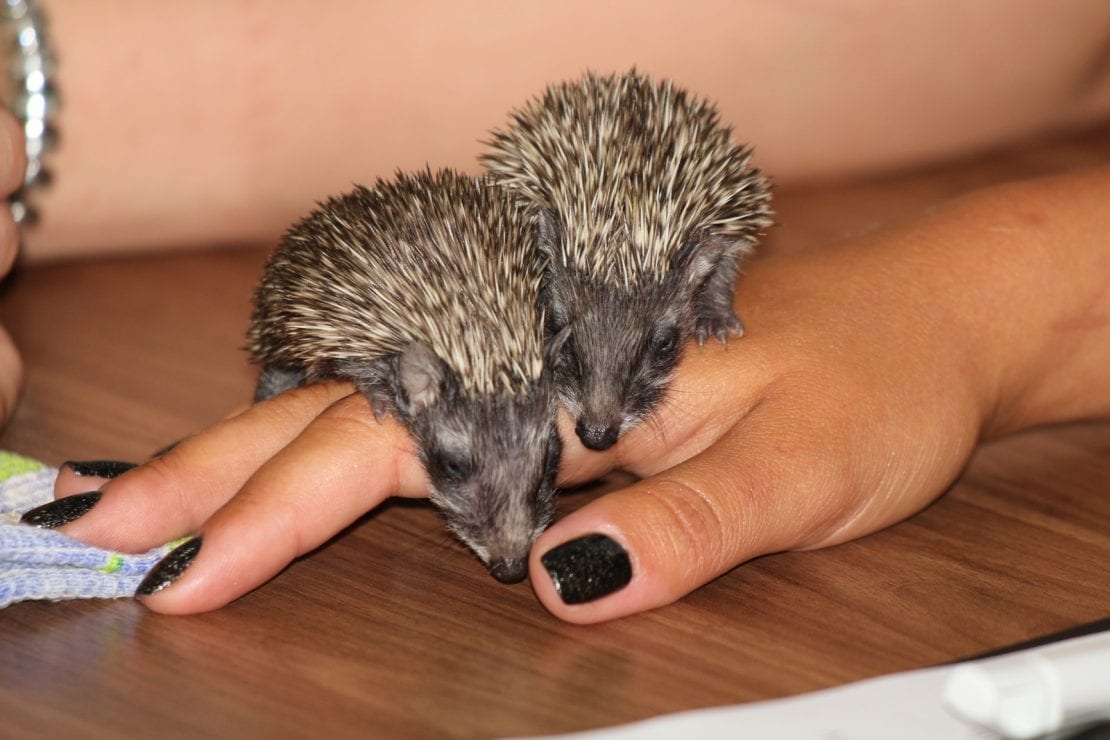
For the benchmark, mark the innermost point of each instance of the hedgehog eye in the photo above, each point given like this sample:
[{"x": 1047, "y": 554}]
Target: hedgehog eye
[
  {"x": 664, "y": 341},
  {"x": 556, "y": 322},
  {"x": 567, "y": 362},
  {"x": 454, "y": 465}
]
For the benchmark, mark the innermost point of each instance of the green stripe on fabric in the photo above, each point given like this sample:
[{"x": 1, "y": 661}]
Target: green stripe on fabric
[{"x": 12, "y": 465}]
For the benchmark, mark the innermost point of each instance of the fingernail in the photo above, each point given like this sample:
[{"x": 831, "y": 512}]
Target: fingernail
[
  {"x": 61, "y": 511},
  {"x": 587, "y": 568},
  {"x": 98, "y": 468},
  {"x": 169, "y": 568}
]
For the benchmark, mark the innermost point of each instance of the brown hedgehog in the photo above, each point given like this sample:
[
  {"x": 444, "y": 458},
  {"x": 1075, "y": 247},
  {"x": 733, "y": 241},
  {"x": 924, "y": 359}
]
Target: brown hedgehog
[
  {"x": 645, "y": 207},
  {"x": 423, "y": 291}
]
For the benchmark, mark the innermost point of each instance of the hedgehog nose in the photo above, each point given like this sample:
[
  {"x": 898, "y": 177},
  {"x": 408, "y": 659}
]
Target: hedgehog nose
[
  {"x": 509, "y": 570},
  {"x": 597, "y": 436}
]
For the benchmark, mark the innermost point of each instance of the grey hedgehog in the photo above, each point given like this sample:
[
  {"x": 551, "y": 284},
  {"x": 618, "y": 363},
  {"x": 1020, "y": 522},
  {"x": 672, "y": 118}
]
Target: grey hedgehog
[
  {"x": 645, "y": 207},
  {"x": 423, "y": 291}
]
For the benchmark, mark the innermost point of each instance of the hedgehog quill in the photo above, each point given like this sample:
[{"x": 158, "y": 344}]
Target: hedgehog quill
[
  {"x": 423, "y": 291},
  {"x": 645, "y": 207}
]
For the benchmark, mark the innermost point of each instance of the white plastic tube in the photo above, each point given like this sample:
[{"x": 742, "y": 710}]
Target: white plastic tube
[{"x": 1037, "y": 691}]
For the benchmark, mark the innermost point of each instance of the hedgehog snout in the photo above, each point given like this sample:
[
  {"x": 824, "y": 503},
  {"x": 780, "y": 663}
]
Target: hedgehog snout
[
  {"x": 597, "y": 435},
  {"x": 509, "y": 570}
]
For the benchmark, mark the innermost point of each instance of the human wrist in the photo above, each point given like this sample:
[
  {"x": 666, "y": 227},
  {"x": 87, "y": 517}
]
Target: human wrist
[{"x": 1030, "y": 272}]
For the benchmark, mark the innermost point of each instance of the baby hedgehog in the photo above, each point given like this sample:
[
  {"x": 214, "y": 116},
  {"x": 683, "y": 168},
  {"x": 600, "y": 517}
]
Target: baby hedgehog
[
  {"x": 423, "y": 291},
  {"x": 645, "y": 207}
]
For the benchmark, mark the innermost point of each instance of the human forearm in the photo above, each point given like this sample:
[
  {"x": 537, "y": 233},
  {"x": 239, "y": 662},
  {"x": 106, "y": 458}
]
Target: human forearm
[
  {"x": 1034, "y": 286},
  {"x": 221, "y": 121},
  {"x": 999, "y": 300}
]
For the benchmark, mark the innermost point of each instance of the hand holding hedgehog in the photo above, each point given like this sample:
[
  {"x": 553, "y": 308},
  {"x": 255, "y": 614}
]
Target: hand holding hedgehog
[
  {"x": 817, "y": 433},
  {"x": 872, "y": 369}
]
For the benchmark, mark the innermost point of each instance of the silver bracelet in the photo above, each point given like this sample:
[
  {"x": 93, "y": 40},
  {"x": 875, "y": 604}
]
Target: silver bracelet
[{"x": 30, "y": 93}]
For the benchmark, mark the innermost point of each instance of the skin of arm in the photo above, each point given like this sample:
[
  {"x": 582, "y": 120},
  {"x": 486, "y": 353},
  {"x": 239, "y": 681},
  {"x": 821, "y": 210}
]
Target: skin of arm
[
  {"x": 221, "y": 121},
  {"x": 870, "y": 371}
]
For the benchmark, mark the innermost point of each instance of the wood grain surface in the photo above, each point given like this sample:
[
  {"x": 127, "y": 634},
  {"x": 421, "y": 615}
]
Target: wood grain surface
[{"x": 393, "y": 630}]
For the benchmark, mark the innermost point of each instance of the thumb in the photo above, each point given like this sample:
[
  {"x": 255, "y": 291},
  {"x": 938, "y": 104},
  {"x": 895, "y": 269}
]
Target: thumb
[{"x": 767, "y": 485}]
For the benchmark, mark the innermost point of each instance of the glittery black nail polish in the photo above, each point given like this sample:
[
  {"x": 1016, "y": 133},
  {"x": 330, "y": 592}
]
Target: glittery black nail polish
[
  {"x": 61, "y": 511},
  {"x": 98, "y": 468},
  {"x": 169, "y": 568},
  {"x": 587, "y": 568}
]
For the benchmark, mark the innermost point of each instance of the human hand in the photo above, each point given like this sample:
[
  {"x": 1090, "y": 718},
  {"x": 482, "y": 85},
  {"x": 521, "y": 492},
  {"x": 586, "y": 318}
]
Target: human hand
[
  {"x": 13, "y": 163},
  {"x": 868, "y": 373}
]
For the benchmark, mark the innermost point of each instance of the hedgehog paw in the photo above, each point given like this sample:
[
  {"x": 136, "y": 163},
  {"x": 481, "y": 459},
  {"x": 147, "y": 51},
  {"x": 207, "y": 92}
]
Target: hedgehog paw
[{"x": 719, "y": 327}]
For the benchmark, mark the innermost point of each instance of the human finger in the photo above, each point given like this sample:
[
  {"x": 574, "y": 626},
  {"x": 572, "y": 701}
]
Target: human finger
[
  {"x": 279, "y": 513},
  {"x": 79, "y": 476},
  {"x": 173, "y": 494}
]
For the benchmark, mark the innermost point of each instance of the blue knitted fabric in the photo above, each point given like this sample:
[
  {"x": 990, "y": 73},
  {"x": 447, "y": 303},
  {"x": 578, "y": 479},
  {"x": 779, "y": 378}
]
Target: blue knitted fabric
[{"x": 44, "y": 564}]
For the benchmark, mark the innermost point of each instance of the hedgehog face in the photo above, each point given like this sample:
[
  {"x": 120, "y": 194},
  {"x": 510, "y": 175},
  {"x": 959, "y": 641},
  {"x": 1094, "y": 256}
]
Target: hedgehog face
[
  {"x": 627, "y": 326},
  {"x": 491, "y": 461},
  {"x": 623, "y": 345}
]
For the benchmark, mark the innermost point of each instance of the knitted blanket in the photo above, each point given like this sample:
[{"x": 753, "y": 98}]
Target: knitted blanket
[{"x": 44, "y": 564}]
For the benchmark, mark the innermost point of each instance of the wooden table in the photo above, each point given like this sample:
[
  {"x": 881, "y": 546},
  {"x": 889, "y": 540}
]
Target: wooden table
[{"x": 393, "y": 629}]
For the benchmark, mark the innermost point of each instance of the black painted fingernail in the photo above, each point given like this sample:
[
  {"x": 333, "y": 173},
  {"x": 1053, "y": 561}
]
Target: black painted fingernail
[
  {"x": 169, "y": 568},
  {"x": 61, "y": 511},
  {"x": 98, "y": 468},
  {"x": 587, "y": 568}
]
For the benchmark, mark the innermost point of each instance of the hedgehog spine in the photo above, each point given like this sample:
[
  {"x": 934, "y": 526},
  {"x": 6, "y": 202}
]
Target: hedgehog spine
[
  {"x": 423, "y": 291},
  {"x": 636, "y": 185}
]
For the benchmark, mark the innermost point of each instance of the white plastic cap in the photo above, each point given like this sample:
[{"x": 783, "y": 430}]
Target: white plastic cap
[{"x": 1015, "y": 698}]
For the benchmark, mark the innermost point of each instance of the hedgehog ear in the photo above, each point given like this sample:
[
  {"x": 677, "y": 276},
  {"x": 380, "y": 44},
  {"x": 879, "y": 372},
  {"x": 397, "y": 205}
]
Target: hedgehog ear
[
  {"x": 549, "y": 235},
  {"x": 554, "y": 346},
  {"x": 702, "y": 253},
  {"x": 422, "y": 379},
  {"x": 555, "y": 286},
  {"x": 374, "y": 380}
]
